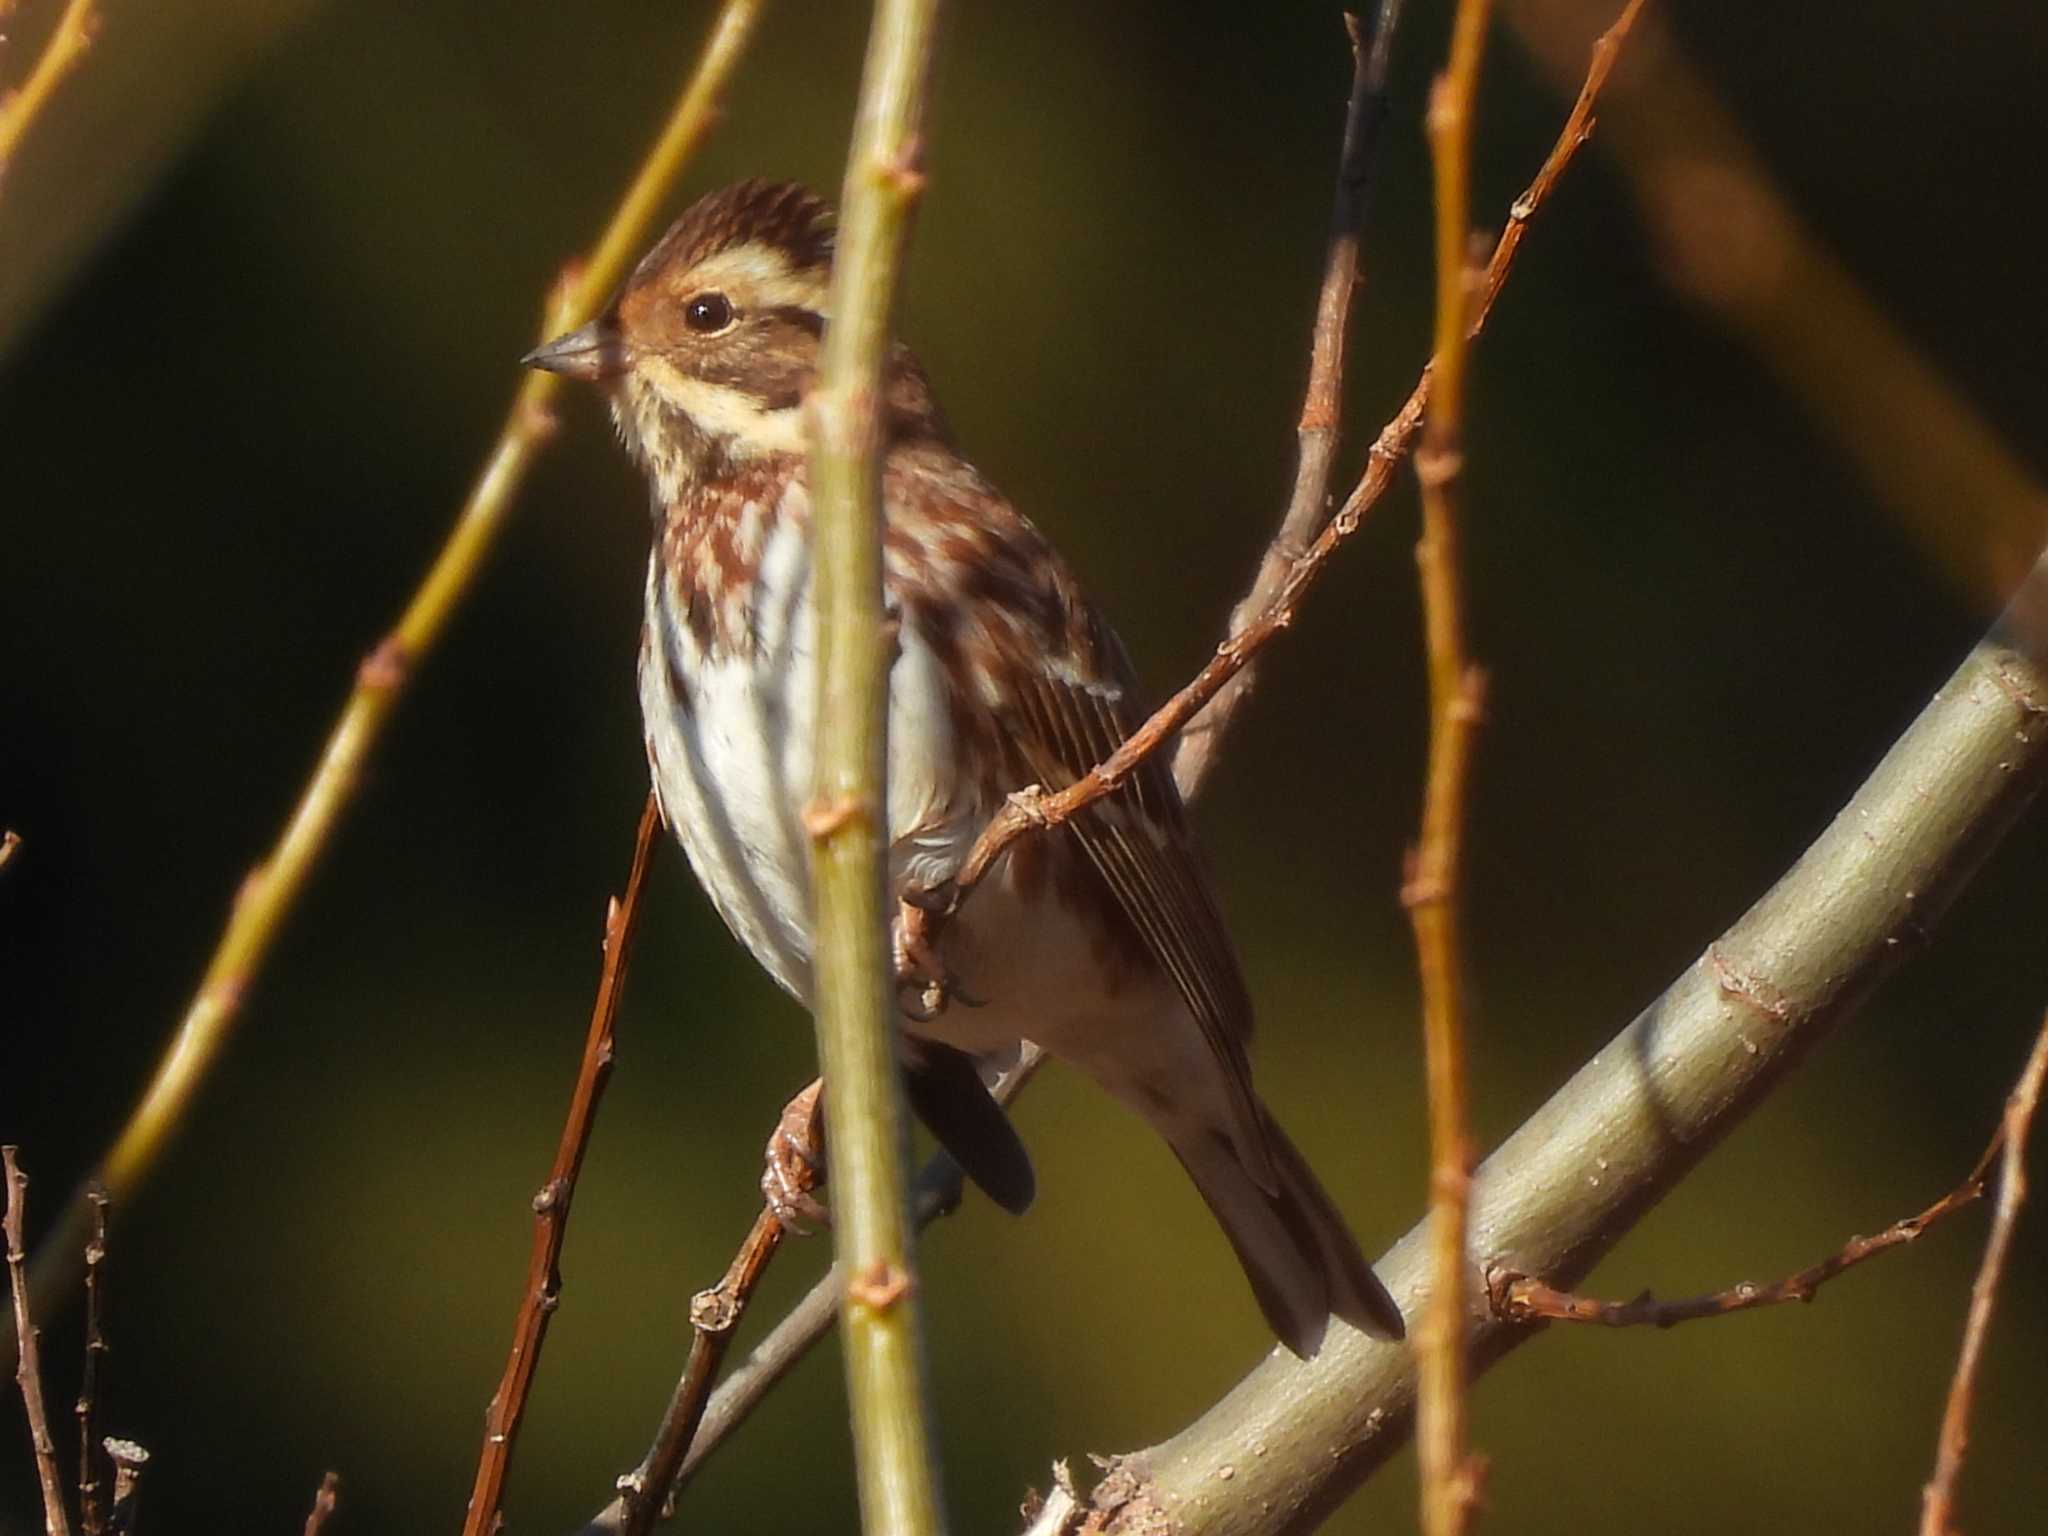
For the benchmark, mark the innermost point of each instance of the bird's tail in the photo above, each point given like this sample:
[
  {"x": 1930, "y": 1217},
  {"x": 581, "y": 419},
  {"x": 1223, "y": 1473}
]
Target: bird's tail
[{"x": 1301, "y": 1259}]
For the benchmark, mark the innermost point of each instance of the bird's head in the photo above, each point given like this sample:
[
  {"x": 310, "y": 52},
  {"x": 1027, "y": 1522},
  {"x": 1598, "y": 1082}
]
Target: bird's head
[{"x": 710, "y": 347}]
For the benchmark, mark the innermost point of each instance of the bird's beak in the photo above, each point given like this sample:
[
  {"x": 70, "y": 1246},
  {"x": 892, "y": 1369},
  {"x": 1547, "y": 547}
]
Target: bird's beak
[{"x": 593, "y": 352}]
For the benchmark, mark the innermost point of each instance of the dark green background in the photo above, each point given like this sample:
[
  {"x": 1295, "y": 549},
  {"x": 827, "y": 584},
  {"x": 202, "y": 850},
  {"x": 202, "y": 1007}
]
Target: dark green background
[{"x": 232, "y": 437}]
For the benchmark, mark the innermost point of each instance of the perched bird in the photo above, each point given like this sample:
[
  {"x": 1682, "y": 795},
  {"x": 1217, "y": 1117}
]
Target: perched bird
[{"x": 1100, "y": 940}]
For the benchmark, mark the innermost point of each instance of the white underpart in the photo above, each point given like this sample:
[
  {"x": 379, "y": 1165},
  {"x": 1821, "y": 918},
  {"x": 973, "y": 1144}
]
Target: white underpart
[
  {"x": 733, "y": 769},
  {"x": 733, "y": 774}
]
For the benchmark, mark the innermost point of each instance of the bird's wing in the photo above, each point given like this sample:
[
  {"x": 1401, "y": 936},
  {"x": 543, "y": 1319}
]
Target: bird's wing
[{"x": 1069, "y": 719}]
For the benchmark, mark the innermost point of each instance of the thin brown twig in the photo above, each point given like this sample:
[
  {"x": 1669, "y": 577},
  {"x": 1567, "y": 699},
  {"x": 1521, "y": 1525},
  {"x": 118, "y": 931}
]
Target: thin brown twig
[
  {"x": 323, "y": 1503},
  {"x": 272, "y": 889},
  {"x": 1033, "y": 809},
  {"x": 75, "y": 31},
  {"x": 551, "y": 1205},
  {"x": 1938, "y": 1496},
  {"x": 1518, "y": 1298},
  {"x": 1317, "y": 434},
  {"x": 28, "y": 1365},
  {"x": 700, "y": 1423},
  {"x": 714, "y": 1316},
  {"x": 92, "y": 1513},
  {"x": 1450, "y": 1472}
]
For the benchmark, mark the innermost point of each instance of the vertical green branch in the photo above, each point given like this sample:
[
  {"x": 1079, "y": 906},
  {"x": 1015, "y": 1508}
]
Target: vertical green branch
[{"x": 847, "y": 816}]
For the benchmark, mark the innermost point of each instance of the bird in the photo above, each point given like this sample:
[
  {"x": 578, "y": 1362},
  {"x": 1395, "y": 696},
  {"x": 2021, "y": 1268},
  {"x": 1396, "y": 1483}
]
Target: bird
[{"x": 1101, "y": 939}]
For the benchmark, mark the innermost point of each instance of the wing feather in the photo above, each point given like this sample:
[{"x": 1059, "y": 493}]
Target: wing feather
[{"x": 1138, "y": 841}]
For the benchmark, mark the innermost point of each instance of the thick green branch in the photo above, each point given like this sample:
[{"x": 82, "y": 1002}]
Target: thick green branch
[
  {"x": 1590, "y": 1164},
  {"x": 847, "y": 817}
]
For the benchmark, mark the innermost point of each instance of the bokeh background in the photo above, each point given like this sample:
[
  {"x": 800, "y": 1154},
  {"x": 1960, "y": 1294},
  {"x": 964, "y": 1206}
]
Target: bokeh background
[{"x": 264, "y": 272}]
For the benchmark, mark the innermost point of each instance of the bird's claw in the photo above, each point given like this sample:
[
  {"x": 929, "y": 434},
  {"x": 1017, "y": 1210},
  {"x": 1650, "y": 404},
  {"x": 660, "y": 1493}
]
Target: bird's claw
[
  {"x": 794, "y": 1164},
  {"x": 923, "y": 984}
]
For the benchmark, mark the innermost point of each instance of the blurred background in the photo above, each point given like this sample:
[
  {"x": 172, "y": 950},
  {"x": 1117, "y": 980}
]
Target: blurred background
[{"x": 1737, "y": 505}]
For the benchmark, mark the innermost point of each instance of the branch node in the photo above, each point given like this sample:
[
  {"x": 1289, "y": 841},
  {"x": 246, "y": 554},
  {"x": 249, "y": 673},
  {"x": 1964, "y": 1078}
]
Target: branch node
[
  {"x": 384, "y": 669},
  {"x": 822, "y": 817},
  {"x": 880, "y": 1287}
]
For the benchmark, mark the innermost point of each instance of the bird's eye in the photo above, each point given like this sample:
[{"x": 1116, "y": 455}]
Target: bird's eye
[{"x": 708, "y": 313}]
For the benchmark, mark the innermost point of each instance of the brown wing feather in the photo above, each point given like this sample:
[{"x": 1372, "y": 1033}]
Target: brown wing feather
[{"x": 1138, "y": 841}]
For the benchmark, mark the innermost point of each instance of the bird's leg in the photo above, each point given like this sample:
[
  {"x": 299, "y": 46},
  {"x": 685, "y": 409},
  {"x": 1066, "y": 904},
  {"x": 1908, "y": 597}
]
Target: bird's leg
[
  {"x": 794, "y": 1163},
  {"x": 922, "y": 980}
]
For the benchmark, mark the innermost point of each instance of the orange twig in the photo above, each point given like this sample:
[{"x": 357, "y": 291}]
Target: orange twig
[
  {"x": 551, "y": 1205},
  {"x": 1939, "y": 1494},
  {"x": 1450, "y": 1472}
]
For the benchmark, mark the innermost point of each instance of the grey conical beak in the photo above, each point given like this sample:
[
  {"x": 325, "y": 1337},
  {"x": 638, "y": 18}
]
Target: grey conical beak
[{"x": 593, "y": 352}]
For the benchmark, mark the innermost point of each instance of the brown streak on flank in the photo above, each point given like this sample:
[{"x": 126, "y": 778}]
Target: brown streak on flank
[
  {"x": 711, "y": 557},
  {"x": 678, "y": 685}
]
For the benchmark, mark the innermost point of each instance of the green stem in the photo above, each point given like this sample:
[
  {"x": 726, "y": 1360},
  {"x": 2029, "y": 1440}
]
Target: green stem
[{"x": 856, "y": 1024}]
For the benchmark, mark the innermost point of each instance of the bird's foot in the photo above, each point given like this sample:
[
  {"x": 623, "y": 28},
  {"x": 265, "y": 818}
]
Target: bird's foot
[
  {"x": 794, "y": 1163},
  {"x": 923, "y": 984}
]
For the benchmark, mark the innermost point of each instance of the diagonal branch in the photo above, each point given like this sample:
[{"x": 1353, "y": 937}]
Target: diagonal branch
[
  {"x": 1033, "y": 809},
  {"x": 1638, "y": 1117},
  {"x": 1321, "y": 408},
  {"x": 60, "y": 55},
  {"x": 272, "y": 889},
  {"x": 551, "y": 1205}
]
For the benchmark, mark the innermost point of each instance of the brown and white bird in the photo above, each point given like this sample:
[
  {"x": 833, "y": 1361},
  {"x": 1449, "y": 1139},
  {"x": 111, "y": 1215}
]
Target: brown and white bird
[{"x": 1102, "y": 940}]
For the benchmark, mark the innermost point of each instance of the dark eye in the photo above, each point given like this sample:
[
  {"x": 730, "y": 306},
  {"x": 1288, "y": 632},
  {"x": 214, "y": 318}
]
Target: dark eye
[{"x": 708, "y": 312}]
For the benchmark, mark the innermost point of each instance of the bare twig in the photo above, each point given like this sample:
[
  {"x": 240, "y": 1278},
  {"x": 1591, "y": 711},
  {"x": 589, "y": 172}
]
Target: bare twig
[
  {"x": 937, "y": 1193},
  {"x": 1317, "y": 434},
  {"x": 854, "y": 1006},
  {"x": 129, "y": 1460},
  {"x": 1524, "y": 1299},
  {"x": 92, "y": 1513},
  {"x": 323, "y": 1503},
  {"x": 75, "y": 31},
  {"x": 1939, "y": 1494},
  {"x": 9, "y": 841},
  {"x": 1450, "y": 1472},
  {"x": 28, "y": 1366},
  {"x": 714, "y": 1315},
  {"x": 1034, "y": 809},
  {"x": 272, "y": 889},
  {"x": 551, "y": 1205}
]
